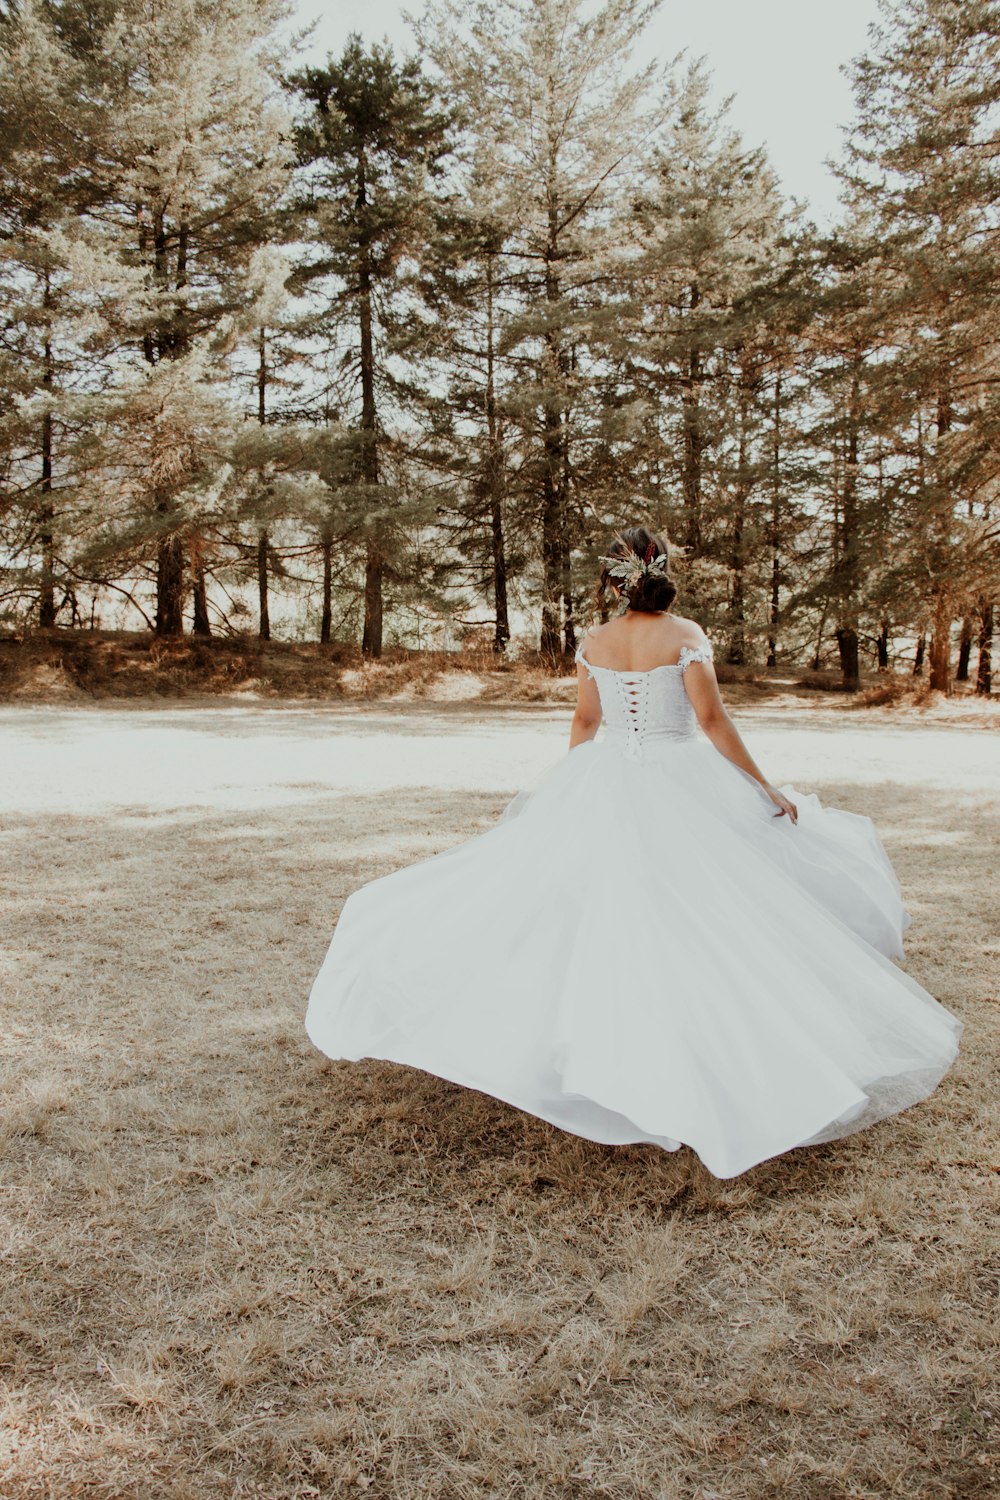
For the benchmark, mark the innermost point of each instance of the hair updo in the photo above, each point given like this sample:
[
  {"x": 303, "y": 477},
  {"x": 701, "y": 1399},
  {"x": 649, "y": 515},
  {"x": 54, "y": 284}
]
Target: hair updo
[{"x": 649, "y": 592}]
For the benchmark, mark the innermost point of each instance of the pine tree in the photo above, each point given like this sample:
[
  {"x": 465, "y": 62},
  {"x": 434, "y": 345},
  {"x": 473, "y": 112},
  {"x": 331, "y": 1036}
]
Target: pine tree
[
  {"x": 374, "y": 136},
  {"x": 469, "y": 295},
  {"x": 46, "y": 121},
  {"x": 922, "y": 168},
  {"x": 275, "y": 487},
  {"x": 183, "y": 153},
  {"x": 552, "y": 103},
  {"x": 843, "y": 349},
  {"x": 707, "y": 333}
]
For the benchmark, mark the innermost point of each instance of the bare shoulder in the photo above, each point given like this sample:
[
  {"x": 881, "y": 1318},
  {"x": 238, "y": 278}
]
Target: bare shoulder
[
  {"x": 687, "y": 632},
  {"x": 595, "y": 632}
]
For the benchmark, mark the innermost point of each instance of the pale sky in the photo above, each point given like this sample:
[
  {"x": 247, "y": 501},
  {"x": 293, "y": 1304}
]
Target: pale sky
[{"x": 780, "y": 58}]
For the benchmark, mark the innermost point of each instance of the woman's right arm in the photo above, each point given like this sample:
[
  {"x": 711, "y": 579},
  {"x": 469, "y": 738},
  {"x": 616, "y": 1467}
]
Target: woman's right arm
[
  {"x": 587, "y": 718},
  {"x": 703, "y": 690}
]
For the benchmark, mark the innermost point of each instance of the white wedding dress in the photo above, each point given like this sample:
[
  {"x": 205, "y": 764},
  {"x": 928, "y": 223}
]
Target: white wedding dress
[{"x": 640, "y": 950}]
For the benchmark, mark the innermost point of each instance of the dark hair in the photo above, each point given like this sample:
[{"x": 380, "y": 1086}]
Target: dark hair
[{"x": 651, "y": 591}]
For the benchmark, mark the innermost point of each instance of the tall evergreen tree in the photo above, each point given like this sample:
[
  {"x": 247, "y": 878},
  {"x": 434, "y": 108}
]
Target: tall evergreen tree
[
  {"x": 548, "y": 88},
  {"x": 705, "y": 334},
  {"x": 373, "y": 137},
  {"x": 844, "y": 348},
  {"x": 277, "y": 460},
  {"x": 179, "y": 152},
  {"x": 470, "y": 293},
  {"x": 48, "y": 80},
  {"x": 923, "y": 169}
]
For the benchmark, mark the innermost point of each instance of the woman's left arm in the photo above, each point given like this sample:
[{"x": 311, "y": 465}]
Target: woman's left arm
[
  {"x": 703, "y": 690},
  {"x": 587, "y": 717}
]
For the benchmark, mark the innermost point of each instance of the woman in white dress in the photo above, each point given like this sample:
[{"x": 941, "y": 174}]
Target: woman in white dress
[{"x": 654, "y": 944}]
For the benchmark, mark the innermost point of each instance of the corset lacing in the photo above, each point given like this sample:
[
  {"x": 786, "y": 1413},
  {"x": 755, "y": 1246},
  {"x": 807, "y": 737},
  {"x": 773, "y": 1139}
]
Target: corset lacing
[{"x": 643, "y": 706}]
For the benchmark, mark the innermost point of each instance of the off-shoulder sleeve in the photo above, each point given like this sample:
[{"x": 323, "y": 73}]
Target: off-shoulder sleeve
[
  {"x": 689, "y": 654},
  {"x": 581, "y": 658}
]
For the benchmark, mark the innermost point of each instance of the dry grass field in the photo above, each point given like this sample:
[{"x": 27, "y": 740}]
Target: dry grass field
[{"x": 234, "y": 1269}]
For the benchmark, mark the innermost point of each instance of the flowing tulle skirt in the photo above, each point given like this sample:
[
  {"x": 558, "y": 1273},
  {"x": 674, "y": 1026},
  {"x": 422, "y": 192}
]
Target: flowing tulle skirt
[{"x": 639, "y": 950}]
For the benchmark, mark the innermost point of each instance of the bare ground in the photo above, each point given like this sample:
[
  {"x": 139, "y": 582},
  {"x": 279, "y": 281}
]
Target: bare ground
[
  {"x": 64, "y": 666},
  {"x": 232, "y": 1268}
]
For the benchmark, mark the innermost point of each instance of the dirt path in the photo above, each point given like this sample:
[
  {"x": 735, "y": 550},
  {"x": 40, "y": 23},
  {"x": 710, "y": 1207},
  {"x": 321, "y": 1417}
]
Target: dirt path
[
  {"x": 231, "y": 757},
  {"x": 234, "y": 1269}
]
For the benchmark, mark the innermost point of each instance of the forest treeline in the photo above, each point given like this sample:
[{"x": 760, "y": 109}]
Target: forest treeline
[{"x": 384, "y": 349}]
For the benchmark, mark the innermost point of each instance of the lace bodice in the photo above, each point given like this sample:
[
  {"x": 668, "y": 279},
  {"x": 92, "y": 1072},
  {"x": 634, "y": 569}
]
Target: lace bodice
[{"x": 639, "y": 706}]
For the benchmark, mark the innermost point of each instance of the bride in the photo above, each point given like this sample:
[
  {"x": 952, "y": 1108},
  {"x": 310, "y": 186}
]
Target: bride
[{"x": 653, "y": 944}]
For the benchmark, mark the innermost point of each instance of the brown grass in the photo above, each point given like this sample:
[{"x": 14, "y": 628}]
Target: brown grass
[
  {"x": 232, "y": 1268},
  {"x": 73, "y": 664},
  {"x": 77, "y": 666}
]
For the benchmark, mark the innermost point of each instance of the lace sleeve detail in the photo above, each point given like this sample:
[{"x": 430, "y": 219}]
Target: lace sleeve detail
[
  {"x": 694, "y": 653},
  {"x": 581, "y": 658}
]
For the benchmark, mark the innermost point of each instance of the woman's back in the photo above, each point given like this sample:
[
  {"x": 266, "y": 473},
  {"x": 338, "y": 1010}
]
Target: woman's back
[
  {"x": 639, "y": 665},
  {"x": 640, "y": 642}
]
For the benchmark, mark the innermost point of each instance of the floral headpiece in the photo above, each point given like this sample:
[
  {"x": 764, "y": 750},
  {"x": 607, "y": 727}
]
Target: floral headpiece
[{"x": 628, "y": 570}]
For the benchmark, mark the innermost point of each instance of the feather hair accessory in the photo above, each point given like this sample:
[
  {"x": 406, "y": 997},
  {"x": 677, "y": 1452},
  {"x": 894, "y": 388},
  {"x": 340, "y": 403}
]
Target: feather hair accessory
[{"x": 628, "y": 570}]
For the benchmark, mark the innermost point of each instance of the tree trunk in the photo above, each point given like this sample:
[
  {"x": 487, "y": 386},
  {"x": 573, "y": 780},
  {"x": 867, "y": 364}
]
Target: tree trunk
[
  {"x": 202, "y": 624},
  {"x": 849, "y": 551},
  {"x": 737, "y": 653},
  {"x": 47, "y": 594},
  {"x": 264, "y": 625},
  {"x": 691, "y": 419},
  {"x": 169, "y": 341},
  {"x": 940, "y": 650},
  {"x": 882, "y": 647},
  {"x": 569, "y": 613},
  {"x": 775, "y": 615},
  {"x": 850, "y": 667},
  {"x": 170, "y": 585},
  {"x": 263, "y": 540},
  {"x": 501, "y": 633},
  {"x": 775, "y": 610},
  {"x": 737, "y": 597},
  {"x": 964, "y": 650},
  {"x": 550, "y": 643},
  {"x": 984, "y": 677},
  {"x": 918, "y": 660},
  {"x": 817, "y": 660},
  {"x": 495, "y": 476},
  {"x": 371, "y": 643},
  {"x": 371, "y": 638},
  {"x": 170, "y": 581},
  {"x": 326, "y": 619}
]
